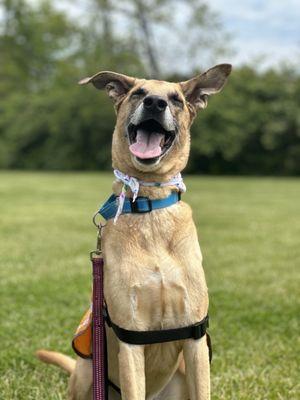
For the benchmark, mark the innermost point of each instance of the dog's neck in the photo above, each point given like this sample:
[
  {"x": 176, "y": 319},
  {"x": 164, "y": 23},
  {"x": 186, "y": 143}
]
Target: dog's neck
[
  {"x": 150, "y": 192},
  {"x": 146, "y": 188}
]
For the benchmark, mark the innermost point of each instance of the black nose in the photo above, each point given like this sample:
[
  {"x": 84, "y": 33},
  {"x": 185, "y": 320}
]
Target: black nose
[{"x": 155, "y": 104}]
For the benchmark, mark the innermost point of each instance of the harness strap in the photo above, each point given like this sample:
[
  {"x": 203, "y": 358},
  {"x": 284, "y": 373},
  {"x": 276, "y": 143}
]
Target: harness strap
[{"x": 195, "y": 331}]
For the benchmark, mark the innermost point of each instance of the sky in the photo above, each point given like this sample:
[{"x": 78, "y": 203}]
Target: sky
[{"x": 266, "y": 31}]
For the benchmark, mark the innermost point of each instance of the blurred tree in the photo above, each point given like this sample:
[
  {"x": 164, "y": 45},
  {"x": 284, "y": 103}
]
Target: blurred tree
[
  {"x": 32, "y": 41},
  {"x": 190, "y": 27},
  {"x": 252, "y": 127},
  {"x": 48, "y": 122}
]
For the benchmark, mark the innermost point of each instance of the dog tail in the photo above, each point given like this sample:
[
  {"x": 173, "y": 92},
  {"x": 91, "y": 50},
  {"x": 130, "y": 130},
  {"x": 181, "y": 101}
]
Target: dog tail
[{"x": 52, "y": 357}]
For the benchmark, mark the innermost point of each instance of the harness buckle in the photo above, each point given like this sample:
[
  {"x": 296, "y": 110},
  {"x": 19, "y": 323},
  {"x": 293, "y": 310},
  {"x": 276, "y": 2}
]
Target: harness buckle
[
  {"x": 199, "y": 329},
  {"x": 135, "y": 208}
]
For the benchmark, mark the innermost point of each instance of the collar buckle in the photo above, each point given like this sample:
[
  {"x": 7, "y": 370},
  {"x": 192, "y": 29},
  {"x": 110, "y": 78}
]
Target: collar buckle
[{"x": 134, "y": 205}]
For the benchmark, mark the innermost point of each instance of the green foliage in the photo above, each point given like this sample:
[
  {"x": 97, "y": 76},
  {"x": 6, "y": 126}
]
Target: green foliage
[
  {"x": 252, "y": 127},
  {"x": 48, "y": 122}
]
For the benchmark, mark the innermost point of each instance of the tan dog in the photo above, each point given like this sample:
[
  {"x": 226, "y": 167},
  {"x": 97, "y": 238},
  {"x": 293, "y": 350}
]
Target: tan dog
[{"x": 153, "y": 264}]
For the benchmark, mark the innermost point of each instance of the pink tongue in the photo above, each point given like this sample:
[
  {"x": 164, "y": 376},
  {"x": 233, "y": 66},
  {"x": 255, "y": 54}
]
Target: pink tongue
[{"x": 147, "y": 144}]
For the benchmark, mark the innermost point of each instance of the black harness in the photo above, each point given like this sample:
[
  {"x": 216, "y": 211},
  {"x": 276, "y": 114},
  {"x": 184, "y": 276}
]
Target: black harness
[{"x": 195, "y": 331}]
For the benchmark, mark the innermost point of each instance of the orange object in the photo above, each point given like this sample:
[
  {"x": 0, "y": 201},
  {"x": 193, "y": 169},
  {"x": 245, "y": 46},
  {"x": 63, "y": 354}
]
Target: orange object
[{"x": 82, "y": 341}]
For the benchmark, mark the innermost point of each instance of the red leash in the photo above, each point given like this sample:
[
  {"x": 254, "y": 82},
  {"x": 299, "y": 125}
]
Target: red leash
[{"x": 99, "y": 340}]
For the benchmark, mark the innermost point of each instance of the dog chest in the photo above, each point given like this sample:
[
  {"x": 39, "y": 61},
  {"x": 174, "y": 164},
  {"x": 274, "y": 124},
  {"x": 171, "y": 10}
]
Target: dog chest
[
  {"x": 160, "y": 297},
  {"x": 153, "y": 272},
  {"x": 151, "y": 293}
]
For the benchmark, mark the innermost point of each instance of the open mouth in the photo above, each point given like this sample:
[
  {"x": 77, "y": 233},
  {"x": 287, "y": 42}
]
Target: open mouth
[{"x": 149, "y": 141}]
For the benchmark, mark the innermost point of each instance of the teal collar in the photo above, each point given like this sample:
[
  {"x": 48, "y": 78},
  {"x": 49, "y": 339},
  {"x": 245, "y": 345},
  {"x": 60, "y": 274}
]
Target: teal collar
[{"x": 141, "y": 205}]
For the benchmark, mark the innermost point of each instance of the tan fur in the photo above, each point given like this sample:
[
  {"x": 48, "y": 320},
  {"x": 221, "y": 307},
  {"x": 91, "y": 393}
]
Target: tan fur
[
  {"x": 52, "y": 357},
  {"x": 153, "y": 264}
]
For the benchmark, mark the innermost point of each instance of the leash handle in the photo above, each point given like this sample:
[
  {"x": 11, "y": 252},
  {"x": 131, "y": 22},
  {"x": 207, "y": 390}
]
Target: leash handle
[{"x": 99, "y": 376}]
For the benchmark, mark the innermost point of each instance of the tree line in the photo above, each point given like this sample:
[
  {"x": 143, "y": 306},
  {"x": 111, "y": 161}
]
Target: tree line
[{"x": 49, "y": 122}]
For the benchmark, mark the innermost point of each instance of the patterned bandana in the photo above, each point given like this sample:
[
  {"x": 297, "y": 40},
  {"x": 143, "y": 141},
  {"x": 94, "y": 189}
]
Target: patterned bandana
[{"x": 134, "y": 185}]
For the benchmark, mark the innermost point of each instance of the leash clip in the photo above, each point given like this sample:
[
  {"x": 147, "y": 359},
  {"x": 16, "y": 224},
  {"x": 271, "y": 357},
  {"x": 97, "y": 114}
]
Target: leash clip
[
  {"x": 96, "y": 253},
  {"x": 99, "y": 225}
]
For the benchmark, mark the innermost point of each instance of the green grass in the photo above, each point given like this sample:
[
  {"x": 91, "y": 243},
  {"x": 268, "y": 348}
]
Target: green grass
[{"x": 249, "y": 233}]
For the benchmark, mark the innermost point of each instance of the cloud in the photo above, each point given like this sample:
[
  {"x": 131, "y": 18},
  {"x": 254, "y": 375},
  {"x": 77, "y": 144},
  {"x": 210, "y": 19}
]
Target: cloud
[
  {"x": 269, "y": 28},
  {"x": 264, "y": 32}
]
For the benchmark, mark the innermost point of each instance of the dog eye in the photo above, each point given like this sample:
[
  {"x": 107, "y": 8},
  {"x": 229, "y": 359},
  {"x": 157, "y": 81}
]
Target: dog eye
[
  {"x": 138, "y": 92},
  {"x": 176, "y": 99}
]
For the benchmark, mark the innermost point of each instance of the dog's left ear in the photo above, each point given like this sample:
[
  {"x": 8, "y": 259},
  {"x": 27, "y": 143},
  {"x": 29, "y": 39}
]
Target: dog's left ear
[
  {"x": 116, "y": 85},
  {"x": 197, "y": 89}
]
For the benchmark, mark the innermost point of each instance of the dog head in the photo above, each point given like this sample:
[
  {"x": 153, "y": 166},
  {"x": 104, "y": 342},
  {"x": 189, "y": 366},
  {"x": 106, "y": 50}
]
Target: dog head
[{"x": 152, "y": 132}]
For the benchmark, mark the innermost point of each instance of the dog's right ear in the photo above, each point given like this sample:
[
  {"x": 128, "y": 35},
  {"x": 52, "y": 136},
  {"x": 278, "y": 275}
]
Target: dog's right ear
[{"x": 116, "y": 85}]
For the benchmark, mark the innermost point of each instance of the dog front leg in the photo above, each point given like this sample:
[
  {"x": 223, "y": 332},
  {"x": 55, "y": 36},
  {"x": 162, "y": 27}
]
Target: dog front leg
[
  {"x": 132, "y": 371},
  {"x": 197, "y": 368}
]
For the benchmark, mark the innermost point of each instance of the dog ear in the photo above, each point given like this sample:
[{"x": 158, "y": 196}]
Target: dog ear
[
  {"x": 116, "y": 85},
  {"x": 197, "y": 89}
]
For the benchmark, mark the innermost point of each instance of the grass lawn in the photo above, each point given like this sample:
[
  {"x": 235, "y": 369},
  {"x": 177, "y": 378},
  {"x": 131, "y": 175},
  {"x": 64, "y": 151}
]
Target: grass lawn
[{"x": 249, "y": 233}]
